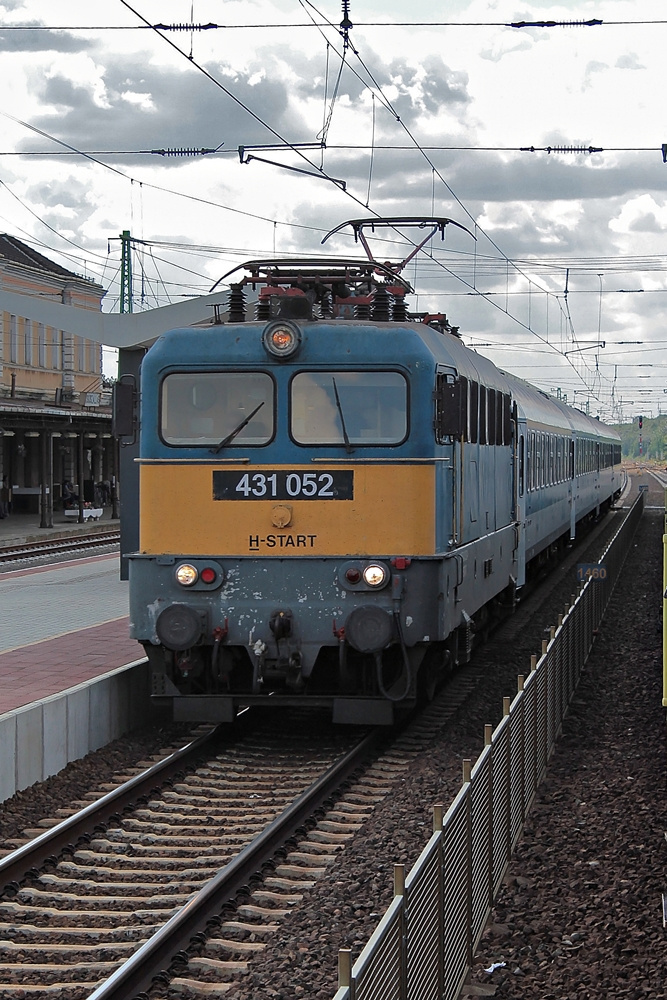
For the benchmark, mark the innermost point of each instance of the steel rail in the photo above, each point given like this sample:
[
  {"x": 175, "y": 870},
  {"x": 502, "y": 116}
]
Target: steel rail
[
  {"x": 70, "y": 543},
  {"x": 62, "y": 837},
  {"x": 167, "y": 946}
]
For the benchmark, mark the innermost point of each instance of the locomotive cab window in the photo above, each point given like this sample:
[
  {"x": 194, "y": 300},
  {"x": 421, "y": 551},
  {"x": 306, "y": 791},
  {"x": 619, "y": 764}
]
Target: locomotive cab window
[
  {"x": 217, "y": 408},
  {"x": 349, "y": 407}
]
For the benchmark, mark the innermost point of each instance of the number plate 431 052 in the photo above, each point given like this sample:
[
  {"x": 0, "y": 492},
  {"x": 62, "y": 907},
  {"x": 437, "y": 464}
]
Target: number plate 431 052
[{"x": 337, "y": 484}]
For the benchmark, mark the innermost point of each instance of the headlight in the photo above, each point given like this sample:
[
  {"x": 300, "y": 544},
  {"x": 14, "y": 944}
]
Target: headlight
[
  {"x": 178, "y": 627},
  {"x": 375, "y": 575},
  {"x": 186, "y": 575},
  {"x": 281, "y": 339}
]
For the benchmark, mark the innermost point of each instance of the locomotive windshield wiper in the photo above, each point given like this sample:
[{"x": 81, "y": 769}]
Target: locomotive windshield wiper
[
  {"x": 237, "y": 430},
  {"x": 346, "y": 439}
]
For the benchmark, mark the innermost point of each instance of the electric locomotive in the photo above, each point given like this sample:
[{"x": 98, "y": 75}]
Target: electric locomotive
[{"x": 337, "y": 497}]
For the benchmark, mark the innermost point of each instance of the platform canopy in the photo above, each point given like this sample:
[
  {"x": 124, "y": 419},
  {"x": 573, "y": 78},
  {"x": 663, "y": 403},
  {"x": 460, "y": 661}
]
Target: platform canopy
[{"x": 139, "y": 329}]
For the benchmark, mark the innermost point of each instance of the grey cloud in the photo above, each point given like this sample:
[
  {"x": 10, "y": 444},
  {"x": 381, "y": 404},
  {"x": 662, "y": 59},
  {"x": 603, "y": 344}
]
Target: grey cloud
[
  {"x": 629, "y": 61},
  {"x": 45, "y": 40},
  {"x": 646, "y": 223},
  {"x": 443, "y": 85},
  {"x": 67, "y": 193},
  {"x": 540, "y": 177},
  {"x": 594, "y": 67},
  {"x": 483, "y": 178},
  {"x": 525, "y": 42},
  {"x": 418, "y": 92},
  {"x": 181, "y": 110}
]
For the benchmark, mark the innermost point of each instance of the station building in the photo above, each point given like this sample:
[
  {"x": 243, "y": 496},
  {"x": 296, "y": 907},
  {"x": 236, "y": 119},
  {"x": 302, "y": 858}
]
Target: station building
[{"x": 55, "y": 408}]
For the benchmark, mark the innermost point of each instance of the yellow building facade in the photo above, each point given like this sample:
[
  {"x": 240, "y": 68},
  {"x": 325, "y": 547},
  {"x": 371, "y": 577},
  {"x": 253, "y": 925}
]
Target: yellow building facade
[{"x": 55, "y": 418}]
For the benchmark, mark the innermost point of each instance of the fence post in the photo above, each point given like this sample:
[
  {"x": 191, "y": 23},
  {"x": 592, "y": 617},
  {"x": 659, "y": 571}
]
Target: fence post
[
  {"x": 467, "y": 768},
  {"x": 399, "y": 890},
  {"x": 438, "y": 817},
  {"x": 488, "y": 739},
  {"x": 344, "y": 968}
]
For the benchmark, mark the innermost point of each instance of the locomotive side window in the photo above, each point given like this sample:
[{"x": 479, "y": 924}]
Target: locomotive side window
[
  {"x": 349, "y": 408},
  {"x": 451, "y": 407},
  {"x": 211, "y": 408}
]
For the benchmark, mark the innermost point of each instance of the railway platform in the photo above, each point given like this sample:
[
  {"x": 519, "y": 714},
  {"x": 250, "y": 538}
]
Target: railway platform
[
  {"x": 25, "y": 527},
  {"x": 71, "y": 679}
]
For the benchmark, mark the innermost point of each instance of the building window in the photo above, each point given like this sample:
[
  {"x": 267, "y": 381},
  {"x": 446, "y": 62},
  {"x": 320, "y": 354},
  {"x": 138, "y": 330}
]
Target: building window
[
  {"x": 41, "y": 345},
  {"x": 13, "y": 340},
  {"x": 27, "y": 326}
]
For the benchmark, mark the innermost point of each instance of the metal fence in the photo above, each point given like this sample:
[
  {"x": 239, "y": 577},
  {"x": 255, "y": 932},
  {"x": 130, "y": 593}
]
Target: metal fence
[
  {"x": 423, "y": 947},
  {"x": 664, "y": 609}
]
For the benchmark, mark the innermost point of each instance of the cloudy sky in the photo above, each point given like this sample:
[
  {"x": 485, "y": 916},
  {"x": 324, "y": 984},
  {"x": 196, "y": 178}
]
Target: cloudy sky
[{"x": 423, "y": 109}]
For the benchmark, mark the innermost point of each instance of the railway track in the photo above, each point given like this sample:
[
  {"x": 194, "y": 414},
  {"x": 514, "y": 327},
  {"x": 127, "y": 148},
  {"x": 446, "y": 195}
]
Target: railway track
[
  {"x": 26, "y": 551},
  {"x": 175, "y": 897},
  {"x": 174, "y": 880},
  {"x": 111, "y": 894}
]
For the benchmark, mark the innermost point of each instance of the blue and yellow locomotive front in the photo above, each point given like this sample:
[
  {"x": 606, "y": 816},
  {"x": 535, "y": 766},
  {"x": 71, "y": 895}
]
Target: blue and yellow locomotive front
[{"x": 293, "y": 502}]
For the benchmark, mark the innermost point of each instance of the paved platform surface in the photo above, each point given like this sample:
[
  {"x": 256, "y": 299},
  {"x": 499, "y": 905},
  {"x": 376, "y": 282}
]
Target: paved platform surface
[{"x": 60, "y": 624}]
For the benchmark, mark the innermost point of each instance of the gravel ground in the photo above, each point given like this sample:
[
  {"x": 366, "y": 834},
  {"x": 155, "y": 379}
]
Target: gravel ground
[
  {"x": 580, "y": 913},
  {"x": 26, "y": 808}
]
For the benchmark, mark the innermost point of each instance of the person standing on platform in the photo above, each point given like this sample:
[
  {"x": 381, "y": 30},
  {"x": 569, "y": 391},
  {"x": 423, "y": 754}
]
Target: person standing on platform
[{"x": 4, "y": 498}]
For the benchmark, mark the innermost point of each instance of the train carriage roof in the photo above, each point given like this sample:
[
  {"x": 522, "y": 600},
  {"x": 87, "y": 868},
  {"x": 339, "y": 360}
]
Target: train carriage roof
[{"x": 533, "y": 404}]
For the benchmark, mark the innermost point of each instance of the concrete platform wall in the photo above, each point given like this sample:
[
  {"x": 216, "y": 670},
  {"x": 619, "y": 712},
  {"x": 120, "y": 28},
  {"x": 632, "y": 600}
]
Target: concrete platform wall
[{"x": 40, "y": 739}]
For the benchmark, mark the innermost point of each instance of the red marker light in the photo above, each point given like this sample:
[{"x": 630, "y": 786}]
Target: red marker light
[
  {"x": 353, "y": 575},
  {"x": 208, "y": 575}
]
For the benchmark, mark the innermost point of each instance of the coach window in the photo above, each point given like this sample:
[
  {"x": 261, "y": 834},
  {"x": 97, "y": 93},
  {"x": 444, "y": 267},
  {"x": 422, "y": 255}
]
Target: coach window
[
  {"x": 507, "y": 418},
  {"x": 561, "y": 459},
  {"x": 473, "y": 412},
  {"x": 491, "y": 408},
  {"x": 547, "y": 459},
  {"x": 522, "y": 464},
  {"x": 349, "y": 407},
  {"x": 234, "y": 409},
  {"x": 465, "y": 429},
  {"x": 482, "y": 415},
  {"x": 531, "y": 461},
  {"x": 499, "y": 417}
]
